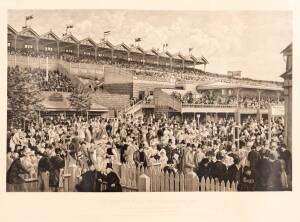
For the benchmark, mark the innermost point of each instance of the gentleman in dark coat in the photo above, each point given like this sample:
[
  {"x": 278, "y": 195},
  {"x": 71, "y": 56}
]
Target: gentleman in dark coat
[
  {"x": 234, "y": 171},
  {"x": 14, "y": 181},
  {"x": 89, "y": 180},
  {"x": 122, "y": 147},
  {"x": 253, "y": 158},
  {"x": 112, "y": 180},
  {"x": 204, "y": 169},
  {"x": 263, "y": 171},
  {"x": 219, "y": 169},
  {"x": 139, "y": 157},
  {"x": 57, "y": 163},
  {"x": 44, "y": 166},
  {"x": 108, "y": 128}
]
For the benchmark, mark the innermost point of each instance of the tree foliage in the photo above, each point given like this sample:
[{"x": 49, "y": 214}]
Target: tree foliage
[{"x": 24, "y": 95}]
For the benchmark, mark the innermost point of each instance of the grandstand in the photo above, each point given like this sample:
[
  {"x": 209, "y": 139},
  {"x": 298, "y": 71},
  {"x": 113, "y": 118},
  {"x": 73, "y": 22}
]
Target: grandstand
[{"x": 132, "y": 80}]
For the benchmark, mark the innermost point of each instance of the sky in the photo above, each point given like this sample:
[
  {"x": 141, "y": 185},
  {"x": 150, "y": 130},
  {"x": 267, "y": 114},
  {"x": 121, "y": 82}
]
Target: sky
[{"x": 250, "y": 41}]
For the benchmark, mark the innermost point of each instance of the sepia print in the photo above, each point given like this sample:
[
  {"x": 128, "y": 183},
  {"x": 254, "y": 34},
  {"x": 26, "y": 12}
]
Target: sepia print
[{"x": 149, "y": 101}]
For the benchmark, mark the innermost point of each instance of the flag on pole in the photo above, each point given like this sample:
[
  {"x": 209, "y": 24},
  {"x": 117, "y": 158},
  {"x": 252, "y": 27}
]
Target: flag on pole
[
  {"x": 190, "y": 49},
  {"x": 29, "y": 17},
  {"x": 106, "y": 33},
  {"x": 70, "y": 26},
  {"x": 138, "y": 39}
]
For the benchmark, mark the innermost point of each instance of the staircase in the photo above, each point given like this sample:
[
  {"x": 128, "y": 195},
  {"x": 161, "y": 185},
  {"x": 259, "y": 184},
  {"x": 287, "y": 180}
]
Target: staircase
[
  {"x": 166, "y": 101},
  {"x": 110, "y": 100},
  {"x": 137, "y": 108}
]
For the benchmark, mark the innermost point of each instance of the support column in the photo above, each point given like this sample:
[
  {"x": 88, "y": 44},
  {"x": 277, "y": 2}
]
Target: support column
[
  {"x": 57, "y": 43},
  {"x": 143, "y": 58},
  {"x": 237, "y": 112},
  {"x": 96, "y": 53},
  {"x": 278, "y": 96},
  {"x": 15, "y": 45},
  {"x": 78, "y": 50},
  {"x": 37, "y": 45},
  {"x": 112, "y": 55},
  {"x": 259, "y": 95}
]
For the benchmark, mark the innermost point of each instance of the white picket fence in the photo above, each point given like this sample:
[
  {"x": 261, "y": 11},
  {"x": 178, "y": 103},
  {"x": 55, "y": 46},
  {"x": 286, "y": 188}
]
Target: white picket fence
[{"x": 169, "y": 182}]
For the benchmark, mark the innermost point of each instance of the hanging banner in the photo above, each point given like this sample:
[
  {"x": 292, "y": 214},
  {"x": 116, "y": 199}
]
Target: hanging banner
[{"x": 276, "y": 111}]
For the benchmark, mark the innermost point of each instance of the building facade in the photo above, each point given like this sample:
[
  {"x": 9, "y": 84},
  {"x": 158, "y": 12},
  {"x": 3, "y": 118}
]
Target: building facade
[{"x": 288, "y": 95}]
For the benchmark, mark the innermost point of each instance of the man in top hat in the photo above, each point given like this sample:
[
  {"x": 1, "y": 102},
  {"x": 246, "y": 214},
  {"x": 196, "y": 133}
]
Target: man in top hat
[
  {"x": 140, "y": 157},
  {"x": 89, "y": 180},
  {"x": 112, "y": 179}
]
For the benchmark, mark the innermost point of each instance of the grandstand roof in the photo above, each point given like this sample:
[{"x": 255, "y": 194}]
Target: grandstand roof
[
  {"x": 165, "y": 54},
  {"x": 70, "y": 38},
  {"x": 178, "y": 55},
  {"x": 11, "y": 30},
  {"x": 154, "y": 51},
  {"x": 105, "y": 44},
  {"x": 289, "y": 48},
  {"x": 122, "y": 47},
  {"x": 50, "y": 35},
  {"x": 287, "y": 74},
  {"x": 137, "y": 49},
  {"x": 224, "y": 85},
  {"x": 88, "y": 41},
  {"x": 29, "y": 32},
  {"x": 204, "y": 60}
]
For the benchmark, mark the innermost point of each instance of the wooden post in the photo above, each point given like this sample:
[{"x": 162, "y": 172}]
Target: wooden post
[
  {"x": 144, "y": 183},
  {"x": 188, "y": 182},
  {"x": 72, "y": 181}
]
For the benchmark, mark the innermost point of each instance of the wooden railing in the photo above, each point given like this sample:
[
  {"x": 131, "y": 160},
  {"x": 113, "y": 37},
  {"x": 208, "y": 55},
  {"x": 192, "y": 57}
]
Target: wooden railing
[{"x": 194, "y": 105}]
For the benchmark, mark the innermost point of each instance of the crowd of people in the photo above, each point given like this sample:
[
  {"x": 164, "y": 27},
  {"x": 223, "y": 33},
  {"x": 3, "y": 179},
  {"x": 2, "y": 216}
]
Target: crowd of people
[
  {"x": 151, "y": 71},
  {"x": 52, "y": 81},
  {"x": 207, "y": 98},
  {"x": 209, "y": 148}
]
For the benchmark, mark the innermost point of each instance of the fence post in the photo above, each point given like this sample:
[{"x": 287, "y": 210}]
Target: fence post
[
  {"x": 188, "y": 180},
  {"x": 144, "y": 183},
  {"x": 72, "y": 181}
]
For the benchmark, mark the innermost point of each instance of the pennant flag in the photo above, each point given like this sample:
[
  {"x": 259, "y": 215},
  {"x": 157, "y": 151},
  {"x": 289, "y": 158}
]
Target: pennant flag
[
  {"x": 190, "y": 49},
  {"x": 106, "y": 32},
  {"x": 138, "y": 39},
  {"x": 70, "y": 26},
  {"x": 29, "y": 17}
]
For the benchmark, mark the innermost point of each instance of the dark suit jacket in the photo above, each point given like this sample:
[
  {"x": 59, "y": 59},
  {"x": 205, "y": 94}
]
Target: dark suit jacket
[
  {"x": 89, "y": 182},
  {"x": 233, "y": 173},
  {"x": 253, "y": 157},
  {"x": 16, "y": 168},
  {"x": 112, "y": 178},
  {"x": 219, "y": 171}
]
